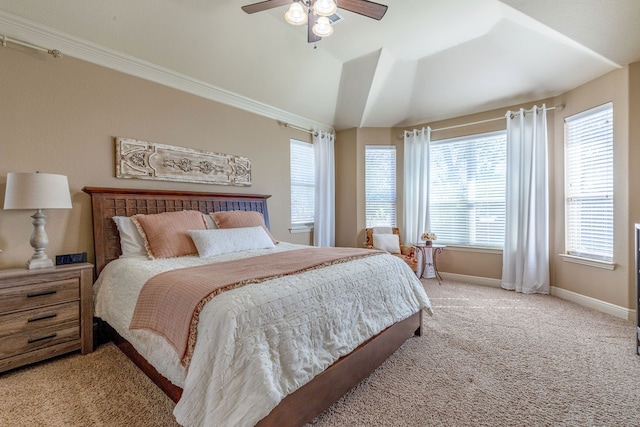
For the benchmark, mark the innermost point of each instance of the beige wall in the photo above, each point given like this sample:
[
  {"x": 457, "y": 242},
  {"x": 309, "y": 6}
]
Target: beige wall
[
  {"x": 634, "y": 174},
  {"x": 613, "y": 286},
  {"x": 347, "y": 205},
  {"x": 61, "y": 116}
]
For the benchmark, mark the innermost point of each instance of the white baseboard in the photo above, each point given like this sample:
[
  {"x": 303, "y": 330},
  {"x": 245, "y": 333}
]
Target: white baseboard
[
  {"x": 474, "y": 280},
  {"x": 596, "y": 304},
  {"x": 583, "y": 300}
]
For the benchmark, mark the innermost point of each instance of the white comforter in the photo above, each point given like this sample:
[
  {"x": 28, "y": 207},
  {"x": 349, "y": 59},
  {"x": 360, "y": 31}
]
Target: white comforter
[{"x": 258, "y": 343}]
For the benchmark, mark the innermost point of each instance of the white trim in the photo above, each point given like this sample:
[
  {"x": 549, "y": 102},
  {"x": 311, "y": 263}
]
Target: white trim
[
  {"x": 476, "y": 249},
  {"x": 596, "y": 304},
  {"x": 590, "y": 262},
  {"x": 589, "y": 112},
  {"x": 19, "y": 28},
  {"x": 583, "y": 300},
  {"x": 474, "y": 280},
  {"x": 301, "y": 229}
]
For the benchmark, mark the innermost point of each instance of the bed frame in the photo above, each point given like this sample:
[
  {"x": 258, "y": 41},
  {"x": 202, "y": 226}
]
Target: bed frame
[{"x": 305, "y": 403}]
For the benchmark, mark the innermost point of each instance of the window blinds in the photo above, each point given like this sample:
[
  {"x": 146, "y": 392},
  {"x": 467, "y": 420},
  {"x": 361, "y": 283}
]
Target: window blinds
[
  {"x": 303, "y": 185},
  {"x": 467, "y": 191},
  {"x": 589, "y": 183},
  {"x": 380, "y": 185}
]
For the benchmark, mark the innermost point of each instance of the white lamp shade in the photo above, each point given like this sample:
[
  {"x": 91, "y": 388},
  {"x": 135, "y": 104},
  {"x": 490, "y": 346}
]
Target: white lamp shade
[
  {"x": 322, "y": 27},
  {"x": 325, "y": 7},
  {"x": 37, "y": 191},
  {"x": 296, "y": 14}
]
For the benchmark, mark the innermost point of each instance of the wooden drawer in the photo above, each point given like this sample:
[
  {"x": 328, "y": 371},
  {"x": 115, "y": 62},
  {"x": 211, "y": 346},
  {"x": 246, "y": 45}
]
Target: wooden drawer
[
  {"x": 44, "y": 313},
  {"x": 38, "y": 295},
  {"x": 43, "y": 337},
  {"x": 30, "y": 320}
]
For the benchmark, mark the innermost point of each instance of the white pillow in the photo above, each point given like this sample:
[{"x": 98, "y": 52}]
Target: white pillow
[
  {"x": 387, "y": 242},
  {"x": 131, "y": 241},
  {"x": 382, "y": 230},
  {"x": 225, "y": 240}
]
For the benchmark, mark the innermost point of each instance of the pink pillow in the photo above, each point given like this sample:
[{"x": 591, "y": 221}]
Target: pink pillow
[
  {"x": 237, "y": 219},
  {"x": 167, "y": 234}
]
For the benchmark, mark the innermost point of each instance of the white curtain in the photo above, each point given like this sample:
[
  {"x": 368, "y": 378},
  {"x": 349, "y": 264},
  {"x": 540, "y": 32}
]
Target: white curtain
[
  {"x": 416, "y": 184},
  {"x": 525, "y": 259},
  {"x": 324, "y": 221},
  {"x": 416, "y": 192}
]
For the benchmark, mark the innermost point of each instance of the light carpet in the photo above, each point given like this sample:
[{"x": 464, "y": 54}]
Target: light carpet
[{"x": 488, "y": 357}]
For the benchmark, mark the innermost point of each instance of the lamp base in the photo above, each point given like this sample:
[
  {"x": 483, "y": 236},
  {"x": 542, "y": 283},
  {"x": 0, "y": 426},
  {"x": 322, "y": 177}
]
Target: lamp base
[
  {"x": 39, "y": 242},
  {"x": 33, "y": 264}
]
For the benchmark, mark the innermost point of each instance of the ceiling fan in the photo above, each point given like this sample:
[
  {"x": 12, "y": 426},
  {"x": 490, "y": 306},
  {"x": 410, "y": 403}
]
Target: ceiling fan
[{"x": 314, "y": 13}]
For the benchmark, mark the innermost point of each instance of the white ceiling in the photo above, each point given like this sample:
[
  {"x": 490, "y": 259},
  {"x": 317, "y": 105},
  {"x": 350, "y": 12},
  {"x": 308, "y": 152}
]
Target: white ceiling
[{"x": 425, "y": 60}]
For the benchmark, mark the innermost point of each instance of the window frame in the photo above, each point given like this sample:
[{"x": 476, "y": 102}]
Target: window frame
[
  {"x": 468, "y": 218},
  {"x": 392, "y": 201},
  {"x": 578, "y": 249},
  {"x": 301, "y": 226}
]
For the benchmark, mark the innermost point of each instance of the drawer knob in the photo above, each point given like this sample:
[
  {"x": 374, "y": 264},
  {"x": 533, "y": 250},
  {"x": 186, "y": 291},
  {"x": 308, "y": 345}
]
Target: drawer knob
[
  {"x": 43, "y": 317},
  {"x": 46, "y": 337},
  {"x": 41, "y": 294}
]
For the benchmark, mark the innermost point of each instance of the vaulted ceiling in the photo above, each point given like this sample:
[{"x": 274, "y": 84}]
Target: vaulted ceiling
[{"x": 425, "y": 60}]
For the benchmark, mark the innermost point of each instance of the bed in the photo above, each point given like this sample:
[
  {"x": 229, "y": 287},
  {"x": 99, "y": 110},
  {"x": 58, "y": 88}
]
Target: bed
[{"x": 296, "y": 406}]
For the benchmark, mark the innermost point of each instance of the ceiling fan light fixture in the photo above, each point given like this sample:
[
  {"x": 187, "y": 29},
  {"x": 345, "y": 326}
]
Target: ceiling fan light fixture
[
  {"x": 322, "y": 27},
  {"x": 319, "y": 15},
  {"x": 325, "y": 7},
  {"x": 296, "y": 14}
]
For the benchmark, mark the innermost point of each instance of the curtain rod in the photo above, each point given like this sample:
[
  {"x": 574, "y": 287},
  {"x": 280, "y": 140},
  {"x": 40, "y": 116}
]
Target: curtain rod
[
  {"x": 557, "y": 107},
  {"x": 309, "y": 131},
  {"x": 53, "y": 52}
]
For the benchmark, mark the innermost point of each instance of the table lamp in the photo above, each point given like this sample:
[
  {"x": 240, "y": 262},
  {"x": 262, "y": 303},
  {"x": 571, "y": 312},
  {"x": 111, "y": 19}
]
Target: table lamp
[{"x": 37, "y": 191}]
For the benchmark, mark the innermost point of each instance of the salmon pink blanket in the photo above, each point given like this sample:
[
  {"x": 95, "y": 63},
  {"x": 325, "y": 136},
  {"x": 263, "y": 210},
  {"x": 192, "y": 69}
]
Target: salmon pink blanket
[{"x": 170, "y": 303}]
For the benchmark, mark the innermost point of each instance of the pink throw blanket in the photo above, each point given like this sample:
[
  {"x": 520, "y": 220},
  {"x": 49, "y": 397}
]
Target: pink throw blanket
[{"x": 170, "y": 303}]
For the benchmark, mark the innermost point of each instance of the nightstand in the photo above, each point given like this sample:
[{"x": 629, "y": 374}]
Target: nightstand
[{"x": 45, "y": 313}]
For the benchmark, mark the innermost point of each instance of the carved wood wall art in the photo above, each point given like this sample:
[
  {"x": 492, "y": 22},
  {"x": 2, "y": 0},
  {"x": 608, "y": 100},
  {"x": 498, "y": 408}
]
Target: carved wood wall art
[{"x": 150, "y": 160}]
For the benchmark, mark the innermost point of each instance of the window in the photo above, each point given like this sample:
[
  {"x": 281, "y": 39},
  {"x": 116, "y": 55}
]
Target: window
[
  {"x": 588, "y": 138},
  {"x": 467, "y": 189},
  {"x": 303, "y": 184},
  {"x": 380, "y": 185}
]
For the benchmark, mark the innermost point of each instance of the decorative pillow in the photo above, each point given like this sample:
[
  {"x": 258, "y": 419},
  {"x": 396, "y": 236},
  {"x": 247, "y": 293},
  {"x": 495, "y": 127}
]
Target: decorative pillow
[
  {"x": 387, "y": 242},
  {"x": 237, "y": 219},
  {"x": 131, "y": 241},
  {"x": 222, "y": 241},
  {"x": 167, "y": 234},
  {"x": 382, "y": 230}
]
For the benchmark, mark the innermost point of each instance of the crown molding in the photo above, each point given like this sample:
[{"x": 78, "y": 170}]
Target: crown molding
[{"x": 28, "y": 31}]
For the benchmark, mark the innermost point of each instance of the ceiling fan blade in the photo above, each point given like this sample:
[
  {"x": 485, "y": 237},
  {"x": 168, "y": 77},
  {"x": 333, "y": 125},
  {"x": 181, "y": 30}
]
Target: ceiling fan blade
[
  {"x": 364, "y": 7},
  {"x": 311, "y": 36},
  {"x": 264, "y": 5}
]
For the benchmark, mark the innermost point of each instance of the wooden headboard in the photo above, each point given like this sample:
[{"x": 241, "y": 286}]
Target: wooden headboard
[{"x": 109, "y": 202}]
